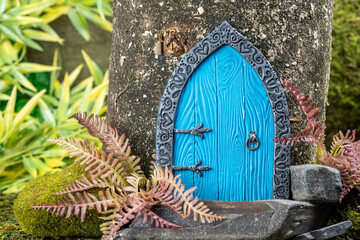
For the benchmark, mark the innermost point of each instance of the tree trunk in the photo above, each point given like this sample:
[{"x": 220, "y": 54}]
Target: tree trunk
[{"x": 150, "y": 36}]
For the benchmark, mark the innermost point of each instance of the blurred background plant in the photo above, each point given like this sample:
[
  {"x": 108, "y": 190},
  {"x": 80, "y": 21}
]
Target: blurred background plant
[
  {"x": 343, "y": 111},
  {"x": 34, "y": 104}
]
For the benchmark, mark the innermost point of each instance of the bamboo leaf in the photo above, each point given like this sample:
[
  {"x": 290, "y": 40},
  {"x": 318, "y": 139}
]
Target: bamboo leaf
[
  {"x": 79, "y": 23},
  {"x": 85, "y": 100},
  {"x": 54, "y": 14},
  {"x": 42, "y": 36},
  {"x": 87, "y": 13},
  {"x": 64, "y": 100},
  {"x": 54, "y": 74},
  {"x": 23, "y": 80},
  {"x": 9, "y": 110},
  {"x": 30, "y": 168},
  {"x": 82, "y": 85},
  {"x": 25, "y": 111},
  {"x": 27, "y": 67},
  {"x": 21, "y": 20},
  {"x": 2, "y": 125},
  {"x": 29, "y": 8},
  {"x": 10, "y": 34},
  {"x": 99, "y": 4},
  {"x": 3, "y": 4},
  {"x": 46, "y": 113},
  {"x": 74, "y": 74},
  {"x": 94, "y": 68}
]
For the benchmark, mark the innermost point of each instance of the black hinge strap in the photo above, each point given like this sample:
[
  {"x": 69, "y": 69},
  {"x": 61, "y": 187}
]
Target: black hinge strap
[
  {"x": 196, "y": 131},
  {"x": 195, "y": 168}
]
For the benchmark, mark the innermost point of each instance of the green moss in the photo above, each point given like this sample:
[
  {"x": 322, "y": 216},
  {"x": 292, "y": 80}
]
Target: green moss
[
  {"x": 44, "y": 224},
  {"x": 349, "y": 209}
]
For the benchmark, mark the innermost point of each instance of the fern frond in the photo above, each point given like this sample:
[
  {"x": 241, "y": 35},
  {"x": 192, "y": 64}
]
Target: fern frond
[
  {"x": 182, "y": 197},
  {"x": 79, "y": 204},
  {"x": 340, "y": 139},
  {"x": 154, "y": 218},
  {"x": 107, "y": 227},
  {"x": 100, "y": 165},
  {"x": 95, "y": 125},
  {"x": 313, "y": 134},
  {"x": 84, "y": 184},
  {"x": 306, "y": 104}
]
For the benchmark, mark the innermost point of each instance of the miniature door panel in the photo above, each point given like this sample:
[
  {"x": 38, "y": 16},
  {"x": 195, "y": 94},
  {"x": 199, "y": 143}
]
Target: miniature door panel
[{"x": 226, "y": 95}]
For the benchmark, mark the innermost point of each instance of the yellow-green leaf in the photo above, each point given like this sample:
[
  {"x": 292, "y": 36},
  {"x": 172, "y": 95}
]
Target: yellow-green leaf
[
  {"x": 29, "y": 106},
  {"x": 30, "y": 168},
  {"x": 55, "y": 13},
  {"x": 82, "y": 85},
  {"x": 8, "y": 52},
  {"x": 64, "y": 100},
  {"x": 42, "y": 36},
  {"x": 85, "y": 100},
  {"x": 10, "y": 34},
  {"x": 29, "y": 8},
  {"x": 46, "y": 113},
  {"x": 94, "y": 68},
  {"x": 2, "y": 125},
  {"x": 9, "y": 110},
  {"x": 74, "y": 74},
  {"x": 27, "y": 67},
  {"x": 54, "y": 74},
  {"x": 99, "y": 4},
  {"x": 23, "y": 80},
  {"x": 21, "y": 20},
  {"x": 3, "y": 4},
  {"x": 87, "y": 13},
  {"x": 79, "y": 23}
]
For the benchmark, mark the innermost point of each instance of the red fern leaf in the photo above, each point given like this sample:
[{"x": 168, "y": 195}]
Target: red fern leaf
[
  {"x": 182, "y": 197},
  {"x": 305, "y": 102},
  {"x": 83, "y": 185},
  {"x": 79, "y": 204}
]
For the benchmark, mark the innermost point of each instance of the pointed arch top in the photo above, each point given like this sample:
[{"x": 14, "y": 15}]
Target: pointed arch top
[{"x": 225, "y": 34}]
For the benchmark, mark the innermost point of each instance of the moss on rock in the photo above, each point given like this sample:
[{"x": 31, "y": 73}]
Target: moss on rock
[
  {"x": 44, "y": 224},
  {"x": 349, "y": 209}
]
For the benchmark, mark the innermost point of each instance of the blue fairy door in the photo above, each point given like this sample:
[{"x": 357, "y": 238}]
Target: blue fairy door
[{"x": 222, "y": 124}]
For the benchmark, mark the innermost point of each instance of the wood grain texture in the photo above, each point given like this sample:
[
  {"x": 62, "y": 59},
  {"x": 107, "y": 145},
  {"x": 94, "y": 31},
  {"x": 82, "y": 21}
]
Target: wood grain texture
[
  {"x": 226, "y": 95},
  {"x": 184, "y": 149}
]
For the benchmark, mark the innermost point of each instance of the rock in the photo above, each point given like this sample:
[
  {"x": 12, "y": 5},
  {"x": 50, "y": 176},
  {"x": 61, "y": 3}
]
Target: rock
[
  {"x": 327, "y": 232},
  {"x": 270, "y": 219},
  {"x": 44, "y": 224},
  {"x": 315, "y": 183}
]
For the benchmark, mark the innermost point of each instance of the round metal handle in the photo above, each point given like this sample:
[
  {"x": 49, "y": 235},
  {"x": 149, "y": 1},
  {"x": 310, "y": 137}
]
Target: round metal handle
[{"x": 252, "y": 140}]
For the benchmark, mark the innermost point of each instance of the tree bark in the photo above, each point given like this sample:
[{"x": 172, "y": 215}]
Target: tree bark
[{"x": 150, "y": 36}]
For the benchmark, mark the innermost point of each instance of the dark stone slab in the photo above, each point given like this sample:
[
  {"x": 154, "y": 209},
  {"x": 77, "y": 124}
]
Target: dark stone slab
[
  {"x": 271, "y": 219},
  {"x": 315, "y": 183},
  {"x": 327, "y": 232}
]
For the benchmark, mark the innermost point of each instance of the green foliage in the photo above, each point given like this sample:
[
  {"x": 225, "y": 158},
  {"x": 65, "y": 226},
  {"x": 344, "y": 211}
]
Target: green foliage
[
  {"x": 43, "y": 224},
  {"x": 24, "y": 153},
  {"x": 124, "y": 192},
  {"x": 23, "y": 22},
  {"x": 344, "y": 90}
]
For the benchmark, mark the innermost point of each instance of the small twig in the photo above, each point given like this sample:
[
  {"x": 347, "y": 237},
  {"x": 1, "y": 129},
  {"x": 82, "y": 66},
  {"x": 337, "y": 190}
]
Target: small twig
[{"x": 117, "y": 97}]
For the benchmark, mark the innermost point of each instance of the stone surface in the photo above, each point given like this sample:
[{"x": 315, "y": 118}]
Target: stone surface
[
  {"x": 315, "y": 183},
  {"x": 326, "y": 232},
  {"x": 271, "y": 219},
  {"x": 149, "y": 37}
]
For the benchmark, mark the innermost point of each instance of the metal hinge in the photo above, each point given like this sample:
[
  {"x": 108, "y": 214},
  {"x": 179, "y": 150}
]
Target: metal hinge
[
  {"x": 196, "y": 131},
  {"x": 195, "y": 168}
]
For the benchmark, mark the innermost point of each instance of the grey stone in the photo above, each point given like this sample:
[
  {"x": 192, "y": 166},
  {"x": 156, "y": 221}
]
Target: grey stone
[
  {"x": 270, "y": 219},
  {"x": 315, "y": 183},
  {"x": 295, "y": 36},
  {"x": 327, "y": 232}
]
